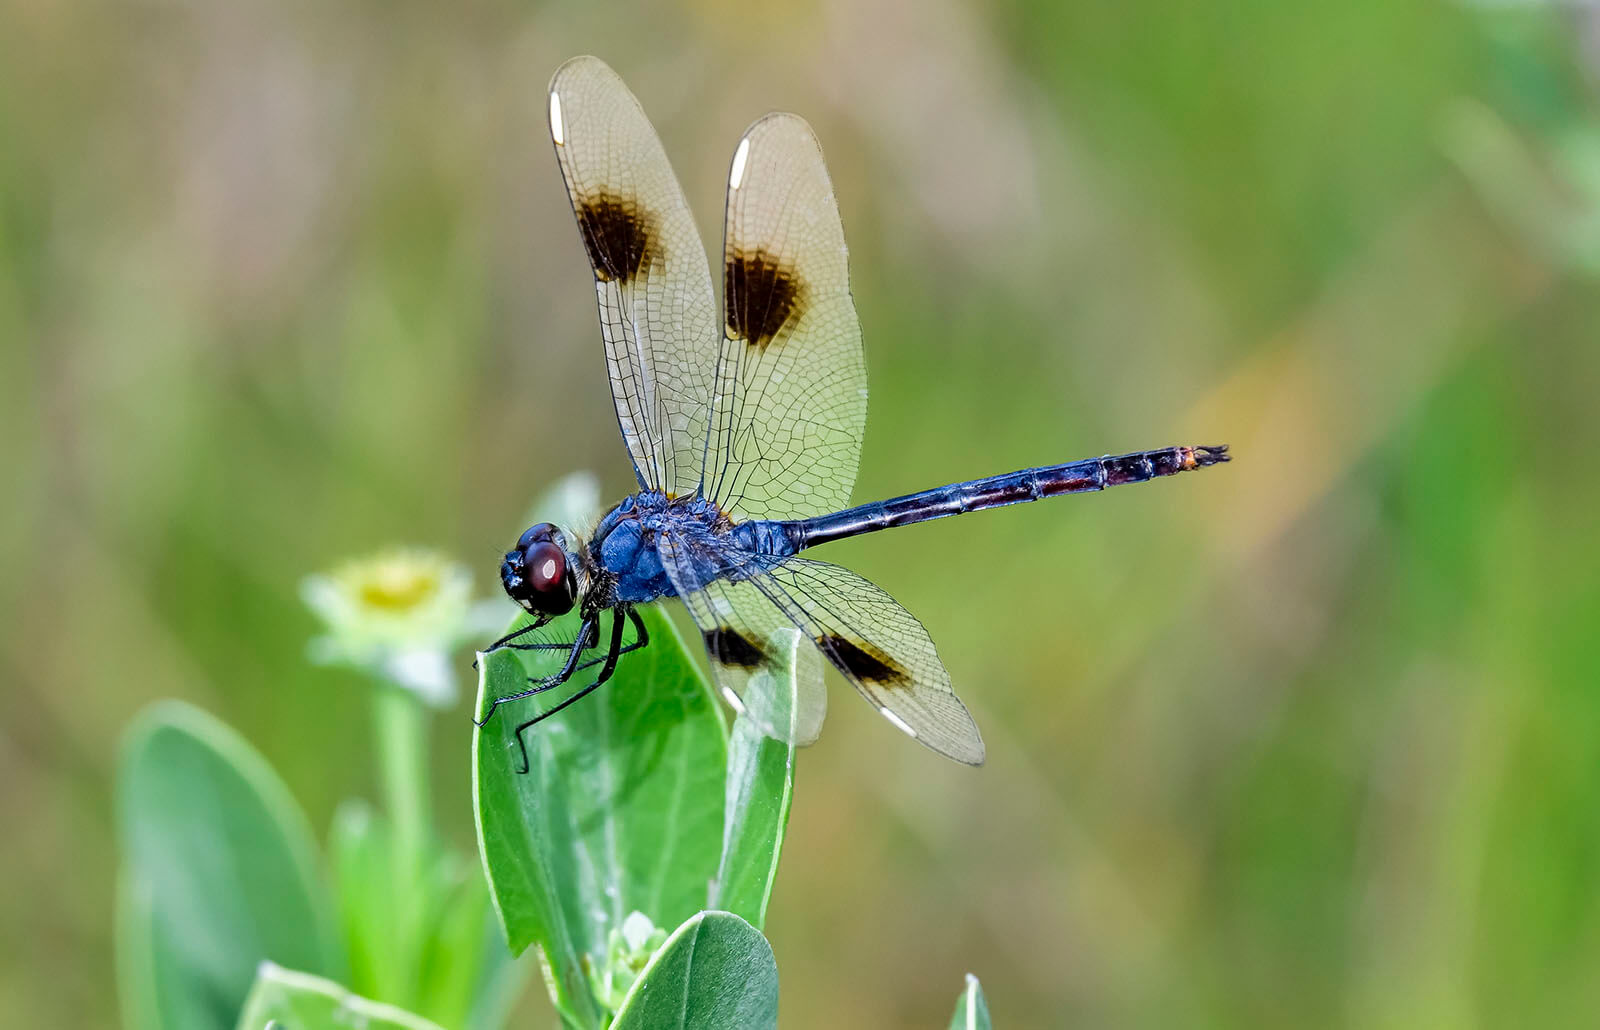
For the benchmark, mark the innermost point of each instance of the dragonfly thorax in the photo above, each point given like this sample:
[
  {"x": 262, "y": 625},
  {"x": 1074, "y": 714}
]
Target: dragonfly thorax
[{"x": 624, "y": 552}]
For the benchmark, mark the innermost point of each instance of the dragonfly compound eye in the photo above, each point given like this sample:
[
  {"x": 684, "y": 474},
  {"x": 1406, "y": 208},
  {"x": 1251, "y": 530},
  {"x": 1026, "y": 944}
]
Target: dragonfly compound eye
[
  {"x": 538, "y": 577},
  {"x": 544, "y": 567},
  {"x": 543, "y": 531}
]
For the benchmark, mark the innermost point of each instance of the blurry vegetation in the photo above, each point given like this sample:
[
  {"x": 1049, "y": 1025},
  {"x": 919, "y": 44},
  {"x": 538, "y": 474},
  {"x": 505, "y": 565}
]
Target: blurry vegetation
[
  {"x": 221, "y": 885},
  {"x": 1314, "y": 740}
]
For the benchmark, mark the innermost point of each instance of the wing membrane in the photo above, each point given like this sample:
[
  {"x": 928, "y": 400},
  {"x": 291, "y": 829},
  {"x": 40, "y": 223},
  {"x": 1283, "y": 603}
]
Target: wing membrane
[
  {"x": 744, "y": 603},
  {"x": 652, "y": 279},
  {"x": 883, "y": 651},
  {"x": 754, "y": 647},
  {"x": 791, "y": 385}
]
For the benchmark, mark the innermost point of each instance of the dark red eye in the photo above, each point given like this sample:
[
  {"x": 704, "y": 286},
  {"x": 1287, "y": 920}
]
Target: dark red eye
[{"x": 544, "y": 566}]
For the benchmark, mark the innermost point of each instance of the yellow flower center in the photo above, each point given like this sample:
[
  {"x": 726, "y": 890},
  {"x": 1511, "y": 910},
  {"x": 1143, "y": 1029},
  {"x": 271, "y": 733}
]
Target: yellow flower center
[{"x": 399, "y": 585}]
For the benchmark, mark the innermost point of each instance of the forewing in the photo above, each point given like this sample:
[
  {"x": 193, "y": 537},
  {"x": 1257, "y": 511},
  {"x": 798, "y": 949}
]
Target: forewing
[
  {"x": 651, "y": 276},
  {"x": 791, "y": 384}
]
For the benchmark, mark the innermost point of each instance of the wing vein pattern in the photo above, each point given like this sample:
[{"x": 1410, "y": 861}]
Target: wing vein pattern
[
  {"x": 790, "y": 397},
  {"x": 744, "y": 602},
  {"x": 652, "y": 280}
]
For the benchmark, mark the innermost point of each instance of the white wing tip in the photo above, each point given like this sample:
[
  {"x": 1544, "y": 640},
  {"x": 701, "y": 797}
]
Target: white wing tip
[
  {"x": 557, "y": 130},
  {"x": 733, "y": 700},
  {"x": 904, "y": 726},
  {"x": 740, "y": 156}
]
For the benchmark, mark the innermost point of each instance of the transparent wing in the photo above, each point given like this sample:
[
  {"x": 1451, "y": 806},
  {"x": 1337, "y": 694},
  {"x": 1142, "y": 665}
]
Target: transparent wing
[
  {"x": 743, "y": 604},
  {"x": 791, "y": 383},
  {"x": 753, "y": 647},
  {"x": 882, "y": 650},
  {"x": 752, "y": 642},
  {"x": 651, "y": 275}
]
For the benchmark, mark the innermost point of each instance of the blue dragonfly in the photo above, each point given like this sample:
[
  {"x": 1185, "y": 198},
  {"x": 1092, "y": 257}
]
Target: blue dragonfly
[{"x": 744, "y": 425}]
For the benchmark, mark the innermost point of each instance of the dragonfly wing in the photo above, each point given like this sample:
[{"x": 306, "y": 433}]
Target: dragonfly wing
[
  {"x": 743, "y": 602},
  {"x": 791, "y": 383},
  {"x": 883, "y": 650},
  {"x": 763, "y": 664},
  {"x": 653, "y": 282}
]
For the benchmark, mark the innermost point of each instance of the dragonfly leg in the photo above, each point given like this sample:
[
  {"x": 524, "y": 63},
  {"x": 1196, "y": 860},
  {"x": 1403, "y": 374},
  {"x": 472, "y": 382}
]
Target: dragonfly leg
[
  {"x": 613, "y": 651},
  {"x": 514, "y": 634},
  {"x": 643, "y": 639},
  {"x": 587, "y": 637},
  {"x": 633, "y": 617}
]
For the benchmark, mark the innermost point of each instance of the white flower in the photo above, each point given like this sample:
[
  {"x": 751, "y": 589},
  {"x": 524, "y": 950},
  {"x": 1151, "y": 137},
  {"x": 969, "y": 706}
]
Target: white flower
[
  {"x": 397, "y": 615},
  {"x": 628, "y": 951}
]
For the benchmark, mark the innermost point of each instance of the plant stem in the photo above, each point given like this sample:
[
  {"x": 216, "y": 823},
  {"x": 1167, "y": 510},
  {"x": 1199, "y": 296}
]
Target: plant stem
[
  {"x": 403, "y": 757},
  {"x": 402, "y": 730}
]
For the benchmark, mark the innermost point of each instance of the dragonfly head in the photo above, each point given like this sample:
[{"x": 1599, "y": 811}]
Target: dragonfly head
[{"x": 539, "y": 572}]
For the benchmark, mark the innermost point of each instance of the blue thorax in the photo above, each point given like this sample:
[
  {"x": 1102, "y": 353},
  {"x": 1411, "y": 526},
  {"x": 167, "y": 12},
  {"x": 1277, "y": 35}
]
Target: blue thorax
[{"x": 624, "y": 543}]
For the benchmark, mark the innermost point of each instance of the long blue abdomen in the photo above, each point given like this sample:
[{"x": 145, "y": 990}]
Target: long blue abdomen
[{"x": 994, "y": 492}]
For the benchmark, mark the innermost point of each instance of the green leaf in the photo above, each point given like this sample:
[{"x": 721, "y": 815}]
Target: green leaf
[
  {"x": 759, "y": 788},
  {"x": 154, "y": 988},
  {"x": 715, "y": 972},
  {"x": 972, "y": 1011},
  {"x": 300, "y": 1001},
  {"x": 219, "y": 872},
  {"x": 621, "y": 810}
]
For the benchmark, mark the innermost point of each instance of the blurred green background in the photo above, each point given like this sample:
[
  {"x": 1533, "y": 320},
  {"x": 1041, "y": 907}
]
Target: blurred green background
[{"x": 1311, "y": 739}]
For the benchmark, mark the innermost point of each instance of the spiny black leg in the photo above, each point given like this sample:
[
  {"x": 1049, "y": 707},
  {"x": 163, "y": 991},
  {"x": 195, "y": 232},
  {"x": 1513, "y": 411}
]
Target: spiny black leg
[
  {"x": 613, "y": 650},
  {"x": 557, "y": 645},
  {"x": 644, "y": 638},
  {"x": 586, "y": 637},
  {"x": 514, "y": 634}
]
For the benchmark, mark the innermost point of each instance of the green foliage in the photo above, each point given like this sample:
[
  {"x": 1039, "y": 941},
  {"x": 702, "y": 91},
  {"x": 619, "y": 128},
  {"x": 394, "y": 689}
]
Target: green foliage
[
  {"x": 715, "y": 972},
  {"x": 220, "y": 872},
  {"x": 972, "y": 1010},
  {"x": 454, "y": 969},
  {"x": 220, "y": 876},
  {"x": 618, "y": 812},
  {"x": 622, "y": 811},
  {"x": 299, "y": 1001},
  {"x": 758, "y": 792}
]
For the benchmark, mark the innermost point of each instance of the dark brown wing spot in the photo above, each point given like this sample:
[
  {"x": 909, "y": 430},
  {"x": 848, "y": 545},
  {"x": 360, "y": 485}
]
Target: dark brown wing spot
[
  {"x": 867, "y": 664},
  {"x": 618, "y": 234},
  {"x": 762, "y": 295},
  {"x": 730, "y": 647}
]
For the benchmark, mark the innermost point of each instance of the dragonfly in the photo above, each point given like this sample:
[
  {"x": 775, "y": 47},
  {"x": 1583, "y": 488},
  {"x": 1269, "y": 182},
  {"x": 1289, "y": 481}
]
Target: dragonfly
[{"x": 744, "y": 424}]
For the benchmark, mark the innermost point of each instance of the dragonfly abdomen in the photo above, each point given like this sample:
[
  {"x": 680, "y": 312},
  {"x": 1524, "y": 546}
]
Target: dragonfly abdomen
[{"x": 998, "y": 491}]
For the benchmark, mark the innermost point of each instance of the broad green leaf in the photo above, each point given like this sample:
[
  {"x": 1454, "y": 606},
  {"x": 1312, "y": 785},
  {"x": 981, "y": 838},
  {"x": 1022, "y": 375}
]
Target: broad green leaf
[
  {"x": 300, "y": 1001},
  {"x": 760, "y": 785},
  {"x": 156, "y": 991},
  {"x": 972, "y": 1011},
  {"x": 715, "y": 972},
  {"x": 620, "y": 811},
  {"x": 219, "y": 871}
]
